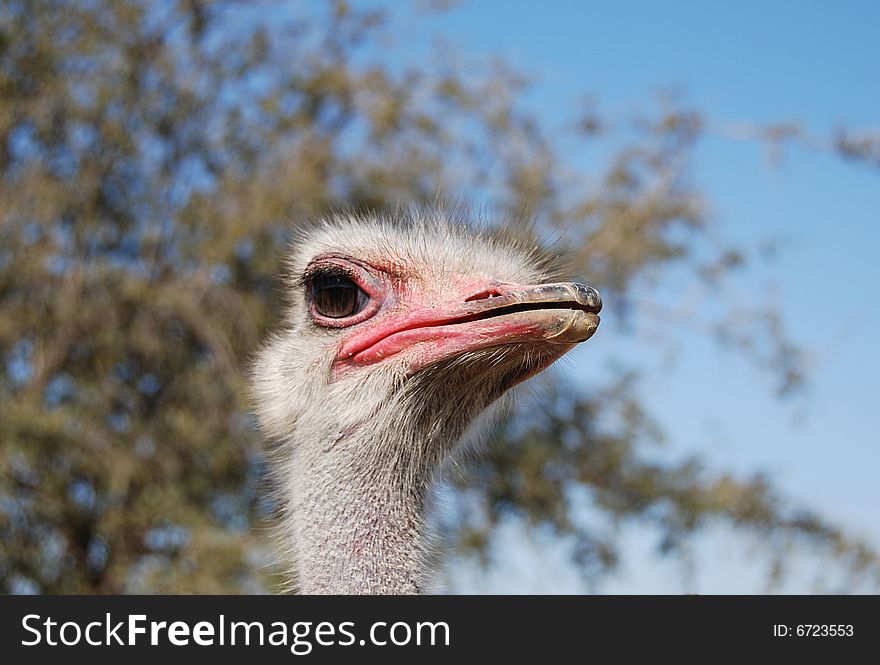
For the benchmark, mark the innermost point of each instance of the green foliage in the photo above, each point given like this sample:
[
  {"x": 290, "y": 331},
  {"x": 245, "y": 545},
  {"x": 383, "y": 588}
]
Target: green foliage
[{"x": 153, "y": 158}]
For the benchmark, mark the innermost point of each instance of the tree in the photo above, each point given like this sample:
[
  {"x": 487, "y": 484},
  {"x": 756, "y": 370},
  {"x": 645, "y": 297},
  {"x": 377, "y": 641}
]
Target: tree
[{"x": 153, "y": 159}]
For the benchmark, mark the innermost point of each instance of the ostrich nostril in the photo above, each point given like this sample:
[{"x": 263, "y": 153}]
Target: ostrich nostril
[{"x": 485, "y": 294}]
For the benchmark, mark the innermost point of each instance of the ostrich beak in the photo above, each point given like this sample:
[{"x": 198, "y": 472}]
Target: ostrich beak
[
  {"x": 568, "y": 310},
  {"x": 561, "y": 314}
]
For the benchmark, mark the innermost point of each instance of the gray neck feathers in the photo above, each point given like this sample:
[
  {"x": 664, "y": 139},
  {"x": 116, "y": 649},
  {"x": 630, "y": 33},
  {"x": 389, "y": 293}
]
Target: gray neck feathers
[
  {"x": 353, "y": 532},
  {"x": 356, "y": 487}
]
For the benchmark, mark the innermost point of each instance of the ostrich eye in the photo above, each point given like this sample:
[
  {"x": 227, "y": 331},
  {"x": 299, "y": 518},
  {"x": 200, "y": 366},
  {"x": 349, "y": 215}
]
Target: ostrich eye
[{"x": 337, "y": 297}]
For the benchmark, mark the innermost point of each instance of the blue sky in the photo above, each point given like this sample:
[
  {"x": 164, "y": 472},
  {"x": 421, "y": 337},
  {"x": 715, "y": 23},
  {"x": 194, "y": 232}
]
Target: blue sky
[{"x": 814, "y": 63}]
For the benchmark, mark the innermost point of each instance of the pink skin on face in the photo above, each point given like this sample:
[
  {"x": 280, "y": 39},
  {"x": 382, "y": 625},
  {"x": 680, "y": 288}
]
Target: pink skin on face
[
  {"x": 441, "y": 341},
  {"x": 419, "y": 327},
  {"x": 428, "y": 332}
]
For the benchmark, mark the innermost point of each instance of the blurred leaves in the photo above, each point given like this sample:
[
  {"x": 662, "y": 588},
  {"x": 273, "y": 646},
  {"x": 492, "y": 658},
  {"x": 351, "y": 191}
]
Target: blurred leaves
[{"x": 153, "y": 157}]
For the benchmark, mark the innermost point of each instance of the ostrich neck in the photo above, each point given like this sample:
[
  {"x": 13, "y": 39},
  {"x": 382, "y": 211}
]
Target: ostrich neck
[
  {"x": 353, "y": 530},
  {"x": 357, "y": 488}
]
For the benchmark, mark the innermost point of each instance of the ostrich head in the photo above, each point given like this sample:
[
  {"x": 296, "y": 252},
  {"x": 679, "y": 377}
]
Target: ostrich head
[{"x": 401, "y": 333}]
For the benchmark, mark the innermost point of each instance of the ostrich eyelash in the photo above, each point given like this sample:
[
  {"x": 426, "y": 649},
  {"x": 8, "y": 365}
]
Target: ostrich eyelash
[{"x": 314, "y": 272}]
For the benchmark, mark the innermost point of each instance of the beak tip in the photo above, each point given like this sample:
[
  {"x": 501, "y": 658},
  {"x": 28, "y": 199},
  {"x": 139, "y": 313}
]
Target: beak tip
[{"x": 589, "y": 296}]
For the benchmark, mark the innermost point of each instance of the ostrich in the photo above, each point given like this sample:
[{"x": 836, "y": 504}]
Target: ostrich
[{"x": 401, "y": 334}]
